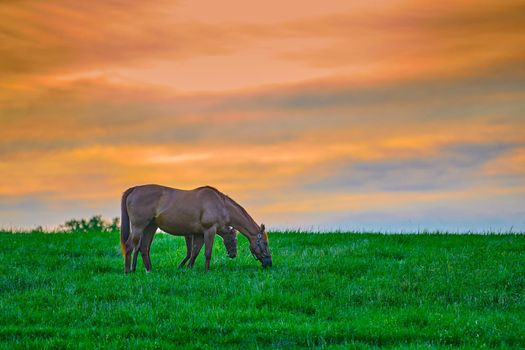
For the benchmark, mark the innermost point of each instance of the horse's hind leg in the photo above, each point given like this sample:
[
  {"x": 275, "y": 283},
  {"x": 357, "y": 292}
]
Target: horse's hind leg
[
  {"x": 132, "y": 247},
  {"x": 189, "y": 243},
  {"x": 145, "y": 246},
  {"x": 136, "y": 253},
  {"x": 127, "y": 259},
  {"x": 127, "y": 256},
  {"x": 134, "y": 262}
]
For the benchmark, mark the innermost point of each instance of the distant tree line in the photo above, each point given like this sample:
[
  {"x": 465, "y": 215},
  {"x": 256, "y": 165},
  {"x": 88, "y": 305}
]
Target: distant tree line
[{"x": 94, "y": 224}]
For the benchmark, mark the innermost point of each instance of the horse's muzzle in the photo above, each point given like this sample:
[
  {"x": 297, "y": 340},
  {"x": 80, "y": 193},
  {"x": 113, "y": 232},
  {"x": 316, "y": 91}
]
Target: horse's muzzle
[
  {"x": 267, "y": 262},
  {"x": 232, "y": 255}
]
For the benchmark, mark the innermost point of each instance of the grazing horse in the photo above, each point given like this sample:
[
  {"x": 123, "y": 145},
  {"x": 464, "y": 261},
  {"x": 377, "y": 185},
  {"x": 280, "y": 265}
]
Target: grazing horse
[{"x": 198, "y": 213}]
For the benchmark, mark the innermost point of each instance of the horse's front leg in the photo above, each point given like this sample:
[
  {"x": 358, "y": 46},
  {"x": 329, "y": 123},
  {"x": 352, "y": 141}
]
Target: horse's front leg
[{"x": 209, "y": 236}]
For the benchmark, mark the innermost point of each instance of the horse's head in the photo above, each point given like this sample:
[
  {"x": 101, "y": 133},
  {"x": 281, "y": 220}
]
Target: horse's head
[
  {"x": 260, "y": 248},
  {"x": 229, "y": 236}
]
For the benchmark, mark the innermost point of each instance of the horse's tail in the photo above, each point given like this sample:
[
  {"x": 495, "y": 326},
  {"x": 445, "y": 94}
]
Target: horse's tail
[{"x": 124, "y": 221}]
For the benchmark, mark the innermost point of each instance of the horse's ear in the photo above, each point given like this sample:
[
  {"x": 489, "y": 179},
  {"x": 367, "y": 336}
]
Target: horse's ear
[{"x": 263, "y": 228}]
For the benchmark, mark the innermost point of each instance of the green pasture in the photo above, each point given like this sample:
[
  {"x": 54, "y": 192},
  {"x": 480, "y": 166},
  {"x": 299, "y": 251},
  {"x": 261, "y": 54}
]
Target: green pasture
[{"x": 332, "y": 290}]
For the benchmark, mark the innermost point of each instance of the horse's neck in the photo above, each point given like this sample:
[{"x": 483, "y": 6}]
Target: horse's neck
[{"x": 241, "y": 220}]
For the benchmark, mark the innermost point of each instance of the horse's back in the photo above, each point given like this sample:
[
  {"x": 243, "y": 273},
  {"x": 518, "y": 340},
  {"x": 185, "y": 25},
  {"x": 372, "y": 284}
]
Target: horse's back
[{"x": 181, "y": 211}]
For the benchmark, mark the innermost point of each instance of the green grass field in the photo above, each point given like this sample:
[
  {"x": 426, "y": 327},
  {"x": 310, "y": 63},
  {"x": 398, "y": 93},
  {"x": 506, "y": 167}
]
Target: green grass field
[{"x": 324, "y": 290}]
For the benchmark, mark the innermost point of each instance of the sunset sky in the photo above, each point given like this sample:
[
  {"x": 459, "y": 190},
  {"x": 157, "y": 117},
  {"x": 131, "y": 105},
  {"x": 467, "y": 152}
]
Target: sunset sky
[{"x": 358, "y": 115}]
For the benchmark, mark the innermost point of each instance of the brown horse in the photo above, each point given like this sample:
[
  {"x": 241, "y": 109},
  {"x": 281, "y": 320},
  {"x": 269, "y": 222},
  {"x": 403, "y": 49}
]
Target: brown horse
[{"x": 198, "y": 213}]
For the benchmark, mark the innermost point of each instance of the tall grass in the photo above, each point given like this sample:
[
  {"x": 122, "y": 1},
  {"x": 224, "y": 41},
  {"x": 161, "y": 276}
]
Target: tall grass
[{"x": 331, "y": 290}]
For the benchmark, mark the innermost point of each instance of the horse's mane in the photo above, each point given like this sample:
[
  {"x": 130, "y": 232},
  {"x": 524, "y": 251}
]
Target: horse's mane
[{"x": 226, "y": 197}]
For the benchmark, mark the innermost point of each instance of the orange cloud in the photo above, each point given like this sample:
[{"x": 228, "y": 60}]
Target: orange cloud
[
  {"x": 293, "y": 107},
  {"x": 180, "y": 47},
  {"x": 511, "y": 163}
]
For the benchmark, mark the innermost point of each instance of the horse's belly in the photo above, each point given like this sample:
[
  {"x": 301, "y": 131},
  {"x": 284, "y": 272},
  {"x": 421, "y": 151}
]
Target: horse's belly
[
  {"x": 179, "y": 225},
  {"x": 182, "y": 216}
]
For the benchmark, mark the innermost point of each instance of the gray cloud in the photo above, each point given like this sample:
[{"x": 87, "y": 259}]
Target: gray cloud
[{"x": 456, "y": 166}]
